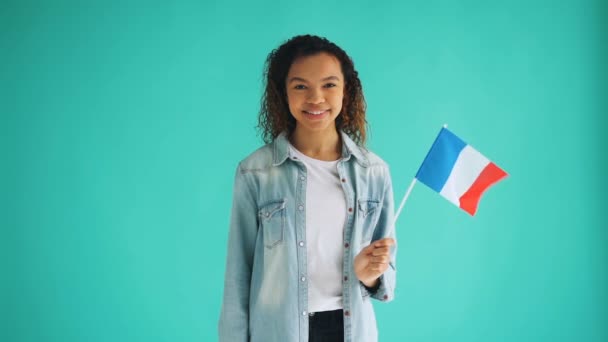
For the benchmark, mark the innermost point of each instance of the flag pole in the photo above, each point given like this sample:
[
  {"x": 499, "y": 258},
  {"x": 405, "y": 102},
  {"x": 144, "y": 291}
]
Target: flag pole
[{"x": 407, "y": 194}]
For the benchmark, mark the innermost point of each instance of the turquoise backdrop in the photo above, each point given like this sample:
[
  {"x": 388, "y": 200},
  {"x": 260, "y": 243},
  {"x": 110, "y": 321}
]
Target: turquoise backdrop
[{"x": 122, "y": 123}]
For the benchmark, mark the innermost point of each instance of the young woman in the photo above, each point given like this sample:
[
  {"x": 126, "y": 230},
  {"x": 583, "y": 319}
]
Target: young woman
[{"x": 311, "y": 232}]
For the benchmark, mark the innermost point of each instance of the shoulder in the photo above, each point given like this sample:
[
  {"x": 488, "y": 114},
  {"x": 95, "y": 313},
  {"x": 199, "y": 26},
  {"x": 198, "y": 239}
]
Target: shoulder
[
  {"x": 376, "y": 168},
  {"x": 259, "y": 160},
  {"x": 364, "y": 156},
  {"x": 373, "y": 159}
]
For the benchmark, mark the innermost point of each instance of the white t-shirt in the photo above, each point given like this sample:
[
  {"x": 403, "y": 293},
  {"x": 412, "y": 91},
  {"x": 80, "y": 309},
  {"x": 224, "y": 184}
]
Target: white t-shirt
[{"x": 325, "y": 217}]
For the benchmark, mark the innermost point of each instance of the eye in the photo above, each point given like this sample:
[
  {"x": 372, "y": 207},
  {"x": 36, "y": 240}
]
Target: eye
[
  {"x": 299, "y": 86},
  {"x": 330, "y": 85}
]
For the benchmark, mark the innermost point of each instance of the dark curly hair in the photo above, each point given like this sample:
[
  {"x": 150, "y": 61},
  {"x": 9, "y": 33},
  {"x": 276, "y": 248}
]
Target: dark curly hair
[{"x": 275, "y": 117}]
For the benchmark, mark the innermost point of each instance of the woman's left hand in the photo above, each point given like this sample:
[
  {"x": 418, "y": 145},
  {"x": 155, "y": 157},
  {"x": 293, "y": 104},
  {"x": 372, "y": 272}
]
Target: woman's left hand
[{"x": 372, "y": 261}]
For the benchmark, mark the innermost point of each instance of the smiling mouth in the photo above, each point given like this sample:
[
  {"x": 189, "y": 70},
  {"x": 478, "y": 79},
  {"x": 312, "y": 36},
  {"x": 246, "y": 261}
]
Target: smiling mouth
[{"x": 316, "y": 112}]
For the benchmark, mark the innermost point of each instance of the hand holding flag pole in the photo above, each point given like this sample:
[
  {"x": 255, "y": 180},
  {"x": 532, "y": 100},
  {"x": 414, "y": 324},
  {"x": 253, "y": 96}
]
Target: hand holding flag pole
[{"x": 456, "y": 171}]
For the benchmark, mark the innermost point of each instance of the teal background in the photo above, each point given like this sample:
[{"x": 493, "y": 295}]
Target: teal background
[{"x": 122, "y": 124}]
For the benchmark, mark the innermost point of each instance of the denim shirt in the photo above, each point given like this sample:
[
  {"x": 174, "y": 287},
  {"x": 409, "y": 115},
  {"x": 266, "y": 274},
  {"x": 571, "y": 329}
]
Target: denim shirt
[{"x": 265, "y": 287}]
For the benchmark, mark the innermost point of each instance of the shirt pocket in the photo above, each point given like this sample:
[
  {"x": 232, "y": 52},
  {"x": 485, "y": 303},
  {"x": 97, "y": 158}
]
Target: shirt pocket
[
  {"x": 368, "y": 215},
  {"x": 272, "y": 220}
]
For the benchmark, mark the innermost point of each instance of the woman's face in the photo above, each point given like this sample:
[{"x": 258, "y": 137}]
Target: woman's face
[{"x": 315, "y": 89}]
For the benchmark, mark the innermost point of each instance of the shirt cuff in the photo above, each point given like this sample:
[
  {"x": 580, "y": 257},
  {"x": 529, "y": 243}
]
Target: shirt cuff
[{"x": 374, "y": 289}]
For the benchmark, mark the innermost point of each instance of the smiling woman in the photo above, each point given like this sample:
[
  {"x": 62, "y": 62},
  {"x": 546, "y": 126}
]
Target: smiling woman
[
  {"x": 303, "y": 63},
  {"x": 303, "y": 259},
  {"x": 121, "y": 126}
]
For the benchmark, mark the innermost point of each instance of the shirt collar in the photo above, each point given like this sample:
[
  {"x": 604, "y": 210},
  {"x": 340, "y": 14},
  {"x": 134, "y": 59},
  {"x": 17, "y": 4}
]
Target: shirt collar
[{"x": 281, "y": 150}]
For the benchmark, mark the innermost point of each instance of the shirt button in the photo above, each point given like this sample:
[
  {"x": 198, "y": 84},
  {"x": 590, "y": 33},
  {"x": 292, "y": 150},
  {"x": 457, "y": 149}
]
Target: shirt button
[
  {"x": 301, "y": 207},
  {"x": 303, "y": 279},
  {"x": 343, "y": 180},
  {"x": 350, "y": 210},
  {"x": 303, "y": 313},
  {"x": 346, "y": 313},
  {"x": 345, "y": 278},
  {"x": 301, "y": 243},
  {"x": 385, "y": 297},
  {"x": 346, "y": 245}
]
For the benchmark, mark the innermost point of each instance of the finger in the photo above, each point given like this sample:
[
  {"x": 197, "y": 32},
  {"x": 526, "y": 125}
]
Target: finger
[
  {"x": 381, "y": 251},
  {"x": 381, "y": 259},
  {"x": 368, "y": 249},
  {"x": 384, "y": 242},
  {"x": 378, "y": 263},
  {"x": 378, "y": 267}
]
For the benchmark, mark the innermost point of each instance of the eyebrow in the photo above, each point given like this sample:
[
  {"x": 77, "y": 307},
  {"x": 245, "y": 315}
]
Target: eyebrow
[{"x": 334, "y": 78}]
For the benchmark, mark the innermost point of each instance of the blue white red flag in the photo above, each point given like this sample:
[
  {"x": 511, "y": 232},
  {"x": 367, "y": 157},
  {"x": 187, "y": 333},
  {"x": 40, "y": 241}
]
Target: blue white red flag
[{"x": 458, "y": 172}]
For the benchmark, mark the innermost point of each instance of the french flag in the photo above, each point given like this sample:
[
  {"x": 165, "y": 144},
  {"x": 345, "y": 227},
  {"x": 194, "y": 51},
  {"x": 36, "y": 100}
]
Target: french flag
[{"x": 457, "y": 171}]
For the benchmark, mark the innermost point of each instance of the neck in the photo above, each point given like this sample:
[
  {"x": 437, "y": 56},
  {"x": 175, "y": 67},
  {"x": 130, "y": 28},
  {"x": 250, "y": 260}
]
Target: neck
[{"x": 324, "y": 145}]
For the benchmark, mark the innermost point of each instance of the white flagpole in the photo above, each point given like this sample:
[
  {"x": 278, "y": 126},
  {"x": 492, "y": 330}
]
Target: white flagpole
[{"x": 407, "y": 194}]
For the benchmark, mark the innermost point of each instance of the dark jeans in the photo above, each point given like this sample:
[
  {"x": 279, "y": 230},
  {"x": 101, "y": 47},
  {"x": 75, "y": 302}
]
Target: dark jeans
[{"x": 326, "y": 326}]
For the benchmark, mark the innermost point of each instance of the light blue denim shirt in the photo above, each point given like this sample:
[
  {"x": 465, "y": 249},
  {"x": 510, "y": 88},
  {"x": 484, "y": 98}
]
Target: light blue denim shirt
[{"x": 265, "y": 287}]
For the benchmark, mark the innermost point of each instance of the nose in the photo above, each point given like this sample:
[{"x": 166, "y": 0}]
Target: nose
[{"x": 315, "y": 96}]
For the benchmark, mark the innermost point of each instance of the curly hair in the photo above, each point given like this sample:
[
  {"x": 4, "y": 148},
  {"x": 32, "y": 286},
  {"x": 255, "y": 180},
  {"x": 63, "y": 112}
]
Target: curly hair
[{"x": 275, "y": 117}]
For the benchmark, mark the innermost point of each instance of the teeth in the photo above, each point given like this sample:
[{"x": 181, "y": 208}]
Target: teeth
[{"x": 315, "y": 113}]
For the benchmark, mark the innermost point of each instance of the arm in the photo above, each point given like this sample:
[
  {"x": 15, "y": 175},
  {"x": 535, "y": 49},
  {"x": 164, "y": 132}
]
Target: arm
[
  {"x": 385, "y": 228},
  {"x": 234, "y": 317},
  {"x": 384, "y": 287}
]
